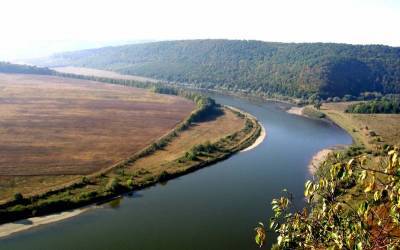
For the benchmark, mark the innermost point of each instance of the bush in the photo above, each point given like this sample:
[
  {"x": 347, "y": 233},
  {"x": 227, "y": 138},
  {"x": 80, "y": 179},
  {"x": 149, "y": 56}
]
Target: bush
[
  {"x": 191, "y": 156},
  {"x": 87, "y": 195},
  {"x": 18, "y": 197},
  {"x": 17, "y": 208},
  {"x": 112, "y": 185},
  {"x": 129, "y": 183}
]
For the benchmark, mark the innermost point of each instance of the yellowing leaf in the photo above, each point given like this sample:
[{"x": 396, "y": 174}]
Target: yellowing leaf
[
  {"x": 370, "y": 187},
  {"x": 260, "y": 235}
]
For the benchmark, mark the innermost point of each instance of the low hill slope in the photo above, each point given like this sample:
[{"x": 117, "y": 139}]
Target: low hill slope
[{"x": 6, "y": 67}]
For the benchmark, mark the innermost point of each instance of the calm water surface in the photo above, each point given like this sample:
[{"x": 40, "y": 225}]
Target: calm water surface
[{"x": 214, "y": 208}]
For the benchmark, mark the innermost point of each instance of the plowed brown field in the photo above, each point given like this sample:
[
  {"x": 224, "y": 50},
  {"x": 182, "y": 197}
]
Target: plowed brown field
[{"x": 60, "y": 126}]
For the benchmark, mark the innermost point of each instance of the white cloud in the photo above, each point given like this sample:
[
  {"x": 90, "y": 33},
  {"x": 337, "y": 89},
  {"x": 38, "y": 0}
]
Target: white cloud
[{"x": 33, "y": 27}]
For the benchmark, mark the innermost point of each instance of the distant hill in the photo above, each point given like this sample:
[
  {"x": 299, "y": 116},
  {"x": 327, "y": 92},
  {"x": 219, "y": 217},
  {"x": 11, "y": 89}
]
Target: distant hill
[
  {"x": 285, "y": 68},
  {"x": 6, "y": 67}
]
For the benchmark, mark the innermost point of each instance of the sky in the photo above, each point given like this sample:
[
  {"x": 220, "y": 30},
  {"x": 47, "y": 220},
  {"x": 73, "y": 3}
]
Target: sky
[{"x": 41, "y": 27}]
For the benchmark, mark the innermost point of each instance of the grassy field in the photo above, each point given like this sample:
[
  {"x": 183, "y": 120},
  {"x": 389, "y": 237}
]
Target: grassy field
[
  {"x": 370, "y": 130},
  {"x": 101, "y": 73},
  {"x": 54, "y": 130}
]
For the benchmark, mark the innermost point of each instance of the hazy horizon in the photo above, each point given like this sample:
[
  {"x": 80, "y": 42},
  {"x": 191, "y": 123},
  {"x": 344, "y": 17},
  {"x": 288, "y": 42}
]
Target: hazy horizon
[{"x": 43, "y": 27}]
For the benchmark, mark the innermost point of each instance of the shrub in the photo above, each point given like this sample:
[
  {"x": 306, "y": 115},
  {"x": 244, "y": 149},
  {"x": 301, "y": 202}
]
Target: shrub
[
  {"x": 112, "y": 185},
  {"x": 190, "y": 155},
  {"x": 17, "y": 208},
  {"x": 18, "y": 197},
  {"x": 87, "y": 195},
  {"x": 163, "y": 176},
  {"x": 129, "y": 183}
]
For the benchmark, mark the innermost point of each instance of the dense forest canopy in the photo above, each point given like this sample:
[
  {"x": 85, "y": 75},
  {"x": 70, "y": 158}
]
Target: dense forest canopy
[
  {"x": 290, "y": 69},
  {"x": 6, "y": 67}
]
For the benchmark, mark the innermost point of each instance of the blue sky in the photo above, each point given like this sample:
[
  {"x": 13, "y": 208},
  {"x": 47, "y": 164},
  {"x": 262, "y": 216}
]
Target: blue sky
[{"x": 37, "y": 28}]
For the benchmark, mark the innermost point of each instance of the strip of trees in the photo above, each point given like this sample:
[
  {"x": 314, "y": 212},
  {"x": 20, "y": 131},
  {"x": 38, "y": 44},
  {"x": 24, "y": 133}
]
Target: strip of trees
[{"x": 383, "y": 106}]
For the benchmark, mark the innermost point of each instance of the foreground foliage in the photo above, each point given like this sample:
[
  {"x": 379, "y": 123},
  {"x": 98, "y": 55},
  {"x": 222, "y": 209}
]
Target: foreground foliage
[{"x": 355, "y": 205}]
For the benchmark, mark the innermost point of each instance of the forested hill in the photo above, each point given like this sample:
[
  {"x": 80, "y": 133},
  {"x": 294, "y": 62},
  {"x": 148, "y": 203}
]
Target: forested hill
[
  {"x": 285, "y": 68},
  {"x": 6, "y": 67}
]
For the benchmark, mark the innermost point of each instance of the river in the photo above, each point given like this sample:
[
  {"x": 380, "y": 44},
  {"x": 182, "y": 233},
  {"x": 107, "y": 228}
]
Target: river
[{"x": 214, "y": 208}]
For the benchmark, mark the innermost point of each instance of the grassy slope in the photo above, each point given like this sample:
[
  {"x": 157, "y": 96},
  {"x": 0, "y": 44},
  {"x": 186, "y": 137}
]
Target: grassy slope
[{"x": 386, "y": 126}]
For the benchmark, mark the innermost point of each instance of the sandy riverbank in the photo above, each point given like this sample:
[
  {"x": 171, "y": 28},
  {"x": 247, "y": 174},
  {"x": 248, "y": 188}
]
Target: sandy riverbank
[
  {"x": 18, "y": 226},
  {"x": 296, "y": 111},
  {"x": 318, "y": 159},
  {"x": 259, "y": 140}
]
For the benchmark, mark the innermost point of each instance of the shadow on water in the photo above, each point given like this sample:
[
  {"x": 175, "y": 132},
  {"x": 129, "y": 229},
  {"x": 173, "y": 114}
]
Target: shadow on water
[
  {"x": 115, "y": 203},
  {"x": 24, "y": 222}
]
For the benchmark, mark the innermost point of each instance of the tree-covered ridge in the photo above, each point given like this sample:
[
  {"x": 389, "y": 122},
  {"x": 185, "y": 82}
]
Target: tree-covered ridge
[
  {"x": 6, "y": 67},
  {"x": 383, "y": 106},
  {"x": 253, "y": 66}
]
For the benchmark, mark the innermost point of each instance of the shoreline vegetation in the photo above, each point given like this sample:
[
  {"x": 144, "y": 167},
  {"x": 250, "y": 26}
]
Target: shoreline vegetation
[
  {"x": 122, "y": 178},
  {"x": 258, "y": 141}
]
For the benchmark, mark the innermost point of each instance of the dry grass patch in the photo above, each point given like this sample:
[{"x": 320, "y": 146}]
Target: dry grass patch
[{"x": 32, "y": 185}]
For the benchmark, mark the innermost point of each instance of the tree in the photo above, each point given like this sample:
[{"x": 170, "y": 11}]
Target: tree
[
  {"x": 318, "y": 105},
  {"x": 18, "y": 197}
]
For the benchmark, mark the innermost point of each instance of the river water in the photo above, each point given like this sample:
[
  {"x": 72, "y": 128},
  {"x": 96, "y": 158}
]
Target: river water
[{"x": 214, "y": 208}]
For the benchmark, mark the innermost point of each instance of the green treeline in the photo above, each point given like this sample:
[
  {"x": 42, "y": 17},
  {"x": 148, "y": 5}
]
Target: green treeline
[
  {"x": 264, "y": 68},
  {"x": 383, "y": 106},
  {"x": 6, "y": 67}
]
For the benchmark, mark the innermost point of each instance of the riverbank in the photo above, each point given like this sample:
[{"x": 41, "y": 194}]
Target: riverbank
[
  {"x": 22, "y": 225},
  {"x": 257, "y": 142},
  {"x": 296, "y": 111}
]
